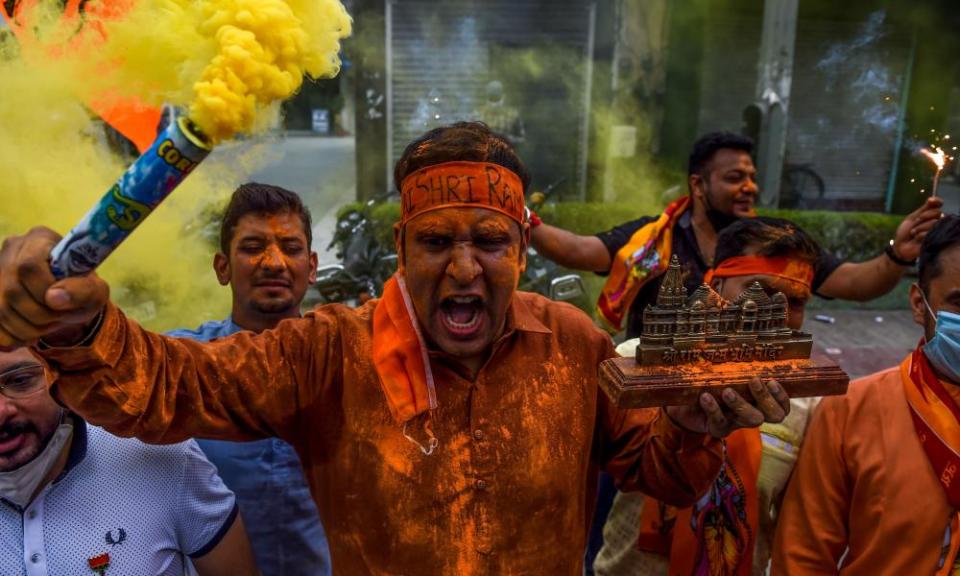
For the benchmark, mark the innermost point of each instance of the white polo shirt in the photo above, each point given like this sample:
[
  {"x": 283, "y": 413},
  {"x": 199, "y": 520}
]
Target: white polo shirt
[{"x": 145, "y": 507}]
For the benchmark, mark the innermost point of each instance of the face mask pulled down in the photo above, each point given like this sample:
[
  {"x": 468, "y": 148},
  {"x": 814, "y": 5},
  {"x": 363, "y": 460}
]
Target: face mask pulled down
[{"x": 19, "y": 486}]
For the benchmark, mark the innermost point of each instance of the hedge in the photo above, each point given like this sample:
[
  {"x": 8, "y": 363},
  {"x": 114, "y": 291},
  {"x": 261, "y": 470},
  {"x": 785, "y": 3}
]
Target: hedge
[{"x": 852, "y": 236}]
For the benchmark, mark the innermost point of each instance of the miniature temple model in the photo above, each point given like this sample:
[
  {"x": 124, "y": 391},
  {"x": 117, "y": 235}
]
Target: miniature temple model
[
  {"x": 700, "y": 342},
  {"x": 704, "y": 326}
]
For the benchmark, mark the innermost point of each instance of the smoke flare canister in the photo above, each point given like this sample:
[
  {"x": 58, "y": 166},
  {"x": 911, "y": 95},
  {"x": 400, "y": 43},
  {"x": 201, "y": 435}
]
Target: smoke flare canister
[{"x": 168, "y": 161}]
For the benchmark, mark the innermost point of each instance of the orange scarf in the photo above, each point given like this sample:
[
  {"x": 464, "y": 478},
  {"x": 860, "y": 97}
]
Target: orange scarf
[
  {"x": 716, "y": 537},
  {"x": 645, "y": 257},
  {"x": 936, "y": 418},
  {"x": 400, "y": 354}
]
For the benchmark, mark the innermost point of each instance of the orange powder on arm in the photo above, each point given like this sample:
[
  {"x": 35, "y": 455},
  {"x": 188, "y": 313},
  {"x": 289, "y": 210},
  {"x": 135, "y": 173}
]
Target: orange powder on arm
[{"x": 163, "y": 390}]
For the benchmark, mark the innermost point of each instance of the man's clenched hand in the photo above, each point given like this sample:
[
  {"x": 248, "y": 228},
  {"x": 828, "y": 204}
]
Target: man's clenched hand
[{"x": 33, "y": 304}]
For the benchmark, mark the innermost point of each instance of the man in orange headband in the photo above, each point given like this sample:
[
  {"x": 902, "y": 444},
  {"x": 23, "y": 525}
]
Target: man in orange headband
[
  {"x": 875, "y": 489},
  {"x": 645, "y": 537},
  {"x": 449, "y": 427}
]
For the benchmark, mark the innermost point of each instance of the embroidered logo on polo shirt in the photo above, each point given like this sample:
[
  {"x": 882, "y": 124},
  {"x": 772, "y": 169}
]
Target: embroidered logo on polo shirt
[
  {"x": 99, "y": 564},
  {"x": 113, "y": 541}
]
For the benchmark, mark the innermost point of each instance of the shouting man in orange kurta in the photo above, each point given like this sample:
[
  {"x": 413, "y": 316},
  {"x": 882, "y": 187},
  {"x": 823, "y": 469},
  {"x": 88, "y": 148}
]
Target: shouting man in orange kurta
[{"x": 450, "y": 427}]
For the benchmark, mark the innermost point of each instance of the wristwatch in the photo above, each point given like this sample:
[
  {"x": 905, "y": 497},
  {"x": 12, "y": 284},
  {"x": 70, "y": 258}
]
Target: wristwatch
[{"x": 892, "y": 255}]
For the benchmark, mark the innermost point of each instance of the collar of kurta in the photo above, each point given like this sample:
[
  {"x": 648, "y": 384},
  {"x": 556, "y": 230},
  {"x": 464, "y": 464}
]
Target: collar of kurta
[{"x": 401, "y": 356}]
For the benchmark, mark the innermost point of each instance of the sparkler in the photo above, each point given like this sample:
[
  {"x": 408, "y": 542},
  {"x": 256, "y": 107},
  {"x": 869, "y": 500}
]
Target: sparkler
[{"x": 939, "y": 158}]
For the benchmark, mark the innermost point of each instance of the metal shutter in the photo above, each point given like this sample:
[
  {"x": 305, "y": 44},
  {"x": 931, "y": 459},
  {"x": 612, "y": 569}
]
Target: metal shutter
[
  {"x": 441, "y": 54},
  {"x": 844, "y": 102},
  {"x": 845, "y": 106}
]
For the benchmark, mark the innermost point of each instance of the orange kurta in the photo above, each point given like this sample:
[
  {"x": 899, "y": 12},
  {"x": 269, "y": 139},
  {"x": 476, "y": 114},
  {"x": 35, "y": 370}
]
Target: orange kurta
[
  {"x": 505, "y": 490},
  {"x": 863, "y": 481}
]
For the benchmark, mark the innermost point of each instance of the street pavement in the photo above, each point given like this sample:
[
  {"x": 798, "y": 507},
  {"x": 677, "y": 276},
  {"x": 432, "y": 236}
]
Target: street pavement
[{"x": 863, "y": 341}]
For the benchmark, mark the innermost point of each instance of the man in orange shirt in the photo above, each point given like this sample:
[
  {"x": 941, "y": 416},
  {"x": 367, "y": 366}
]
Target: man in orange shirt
[
  {"x": 449, "y": 427},
  {"x": 874, "y": 490}
]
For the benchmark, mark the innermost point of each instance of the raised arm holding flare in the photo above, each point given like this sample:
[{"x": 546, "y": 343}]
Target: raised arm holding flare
[{"x": 449, "y": 427}]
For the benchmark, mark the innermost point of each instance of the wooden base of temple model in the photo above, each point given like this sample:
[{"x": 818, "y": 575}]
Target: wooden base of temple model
[{"x": 631, "y": 385}]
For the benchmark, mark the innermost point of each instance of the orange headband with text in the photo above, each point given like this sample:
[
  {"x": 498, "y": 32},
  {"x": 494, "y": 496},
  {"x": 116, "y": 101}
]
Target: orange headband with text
[
  {"x": 782, "y": 267},
  {"x": 462, "y": 185}
]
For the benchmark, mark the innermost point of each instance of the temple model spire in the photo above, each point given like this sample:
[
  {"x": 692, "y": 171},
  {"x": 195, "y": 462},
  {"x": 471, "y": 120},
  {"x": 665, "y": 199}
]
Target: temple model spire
[
  {"x": 679, "y": 328},
  {"x": 673, "y": 294}
]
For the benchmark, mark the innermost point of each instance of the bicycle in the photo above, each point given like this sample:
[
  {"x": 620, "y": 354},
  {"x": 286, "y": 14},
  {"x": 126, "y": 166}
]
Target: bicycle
[{"x": 801, "y": 187}]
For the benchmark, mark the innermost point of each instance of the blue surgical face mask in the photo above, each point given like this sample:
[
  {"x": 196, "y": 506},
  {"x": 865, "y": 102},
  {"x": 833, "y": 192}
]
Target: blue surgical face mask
[{"x": 943, "y": 350}]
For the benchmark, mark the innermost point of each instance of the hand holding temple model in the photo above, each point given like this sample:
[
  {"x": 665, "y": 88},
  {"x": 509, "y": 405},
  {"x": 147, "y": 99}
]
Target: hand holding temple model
[{"x": 718, "y": 420}]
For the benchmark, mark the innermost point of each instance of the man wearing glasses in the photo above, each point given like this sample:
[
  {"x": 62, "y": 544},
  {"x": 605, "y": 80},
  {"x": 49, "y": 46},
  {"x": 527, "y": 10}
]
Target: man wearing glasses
[{"x": 74, "y": 498}]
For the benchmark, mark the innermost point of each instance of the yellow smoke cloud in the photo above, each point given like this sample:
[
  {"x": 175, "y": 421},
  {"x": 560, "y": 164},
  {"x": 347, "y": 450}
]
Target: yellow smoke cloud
[
  {"x": 228, "y": 62},
  {"x": 55, "y": 163}
]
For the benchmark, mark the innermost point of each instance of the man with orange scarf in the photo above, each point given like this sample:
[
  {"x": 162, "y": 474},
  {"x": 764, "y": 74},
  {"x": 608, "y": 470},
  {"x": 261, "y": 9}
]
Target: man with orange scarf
[
  {"x": 875, "y": 489},
  {"x": 730, "y": 530},
  {"x": 450, "y": 427}
]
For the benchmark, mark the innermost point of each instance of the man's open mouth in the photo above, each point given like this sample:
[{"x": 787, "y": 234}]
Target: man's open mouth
[{"x": 462, "y": 315}]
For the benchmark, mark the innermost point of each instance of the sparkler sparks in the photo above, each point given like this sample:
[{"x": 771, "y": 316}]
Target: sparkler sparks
[
  {"x": 939, "y": 159},
  {"x": 937, "y": 156}
]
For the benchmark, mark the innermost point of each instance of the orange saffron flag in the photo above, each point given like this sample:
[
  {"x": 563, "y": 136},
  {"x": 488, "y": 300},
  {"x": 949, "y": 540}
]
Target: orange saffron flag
[
  {"x": 134, "y": 120},
  {"x": 936, "y": 418},
  {"x": 645, "y": 257},
  {"x": 400, "y": 354}
]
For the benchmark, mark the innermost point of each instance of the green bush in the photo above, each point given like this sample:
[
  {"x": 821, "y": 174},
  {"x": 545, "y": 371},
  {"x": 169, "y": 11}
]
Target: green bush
[
  {"x": 592, "y": 217},
  {"x": 851, "y": 236}
]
